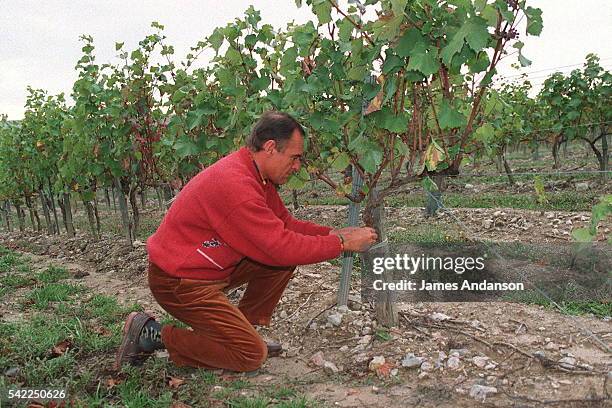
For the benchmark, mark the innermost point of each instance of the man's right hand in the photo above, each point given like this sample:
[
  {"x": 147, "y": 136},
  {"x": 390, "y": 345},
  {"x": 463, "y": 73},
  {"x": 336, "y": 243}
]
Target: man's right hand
[{"x": 359, "y": 239}]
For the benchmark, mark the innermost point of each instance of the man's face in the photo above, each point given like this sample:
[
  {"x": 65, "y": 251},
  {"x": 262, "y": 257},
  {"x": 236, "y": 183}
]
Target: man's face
[{"x": 284, "y": 162}]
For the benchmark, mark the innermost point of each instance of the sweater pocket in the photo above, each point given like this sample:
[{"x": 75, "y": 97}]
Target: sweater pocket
[{"x": 212, "y": 255}]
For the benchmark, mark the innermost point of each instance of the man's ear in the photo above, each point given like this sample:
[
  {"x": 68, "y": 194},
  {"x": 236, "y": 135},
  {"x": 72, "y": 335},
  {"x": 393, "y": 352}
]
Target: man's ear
[{"x": 269, "y": 146}]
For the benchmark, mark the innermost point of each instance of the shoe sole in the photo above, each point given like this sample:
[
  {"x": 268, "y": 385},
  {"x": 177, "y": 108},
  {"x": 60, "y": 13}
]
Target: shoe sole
[
  {"x": 129, "y": 329},
  {"x": 274, "y": 350}
]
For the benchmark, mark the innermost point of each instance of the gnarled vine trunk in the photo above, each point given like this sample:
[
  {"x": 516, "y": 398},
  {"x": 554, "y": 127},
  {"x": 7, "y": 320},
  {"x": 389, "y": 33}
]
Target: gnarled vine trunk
[
  {"x": 507, "y": 168},
  {"x": 66, "y": 210},
  {"x": 5, "y": 209},
  {"x": 46, "y": 212},
  {"x": 93, "y": 225},
  {"x": 386, "y": 307},
  {"x": 20, "y": 217},
  {"x": 34, "y": 218}
]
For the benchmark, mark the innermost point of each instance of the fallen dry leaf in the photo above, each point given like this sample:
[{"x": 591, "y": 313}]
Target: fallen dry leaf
[
  {"x": 385, "y": 370},
  {"x": 61, "y": 347},
  {"x": 178, "y": 404},
  {"x": 102, "y": 331},
  {"x": 228, "y": 377},
  {"x": 175, "y": 382},
  {"x": 112, "y": 382}
]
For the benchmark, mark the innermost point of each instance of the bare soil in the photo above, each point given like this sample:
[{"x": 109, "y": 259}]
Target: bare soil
[{"x": 514, "y": 348}]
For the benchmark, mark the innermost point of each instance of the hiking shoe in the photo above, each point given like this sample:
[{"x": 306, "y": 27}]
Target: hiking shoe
[
  {"x": 141, "y": 337},
  {"x": 274, "y": 348}
]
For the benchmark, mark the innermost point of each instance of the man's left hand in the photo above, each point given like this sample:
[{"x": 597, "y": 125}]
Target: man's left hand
[{"x": 343, "y": 231}]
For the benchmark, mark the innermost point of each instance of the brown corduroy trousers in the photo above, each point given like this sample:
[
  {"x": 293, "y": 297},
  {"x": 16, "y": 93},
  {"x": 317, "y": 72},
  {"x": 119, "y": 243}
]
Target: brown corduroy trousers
[{"x": 221, "y": 335}]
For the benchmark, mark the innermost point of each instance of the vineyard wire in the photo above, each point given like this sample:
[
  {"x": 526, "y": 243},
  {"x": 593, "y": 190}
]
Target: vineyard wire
[
  {"x": 552, "y": 68},
  {"x": 558, "y": 173},
  {"x": 585, "y": 330}
]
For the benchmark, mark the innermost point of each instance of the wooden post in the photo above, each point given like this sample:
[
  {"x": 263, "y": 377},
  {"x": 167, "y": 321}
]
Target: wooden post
[
  {"x": 386, "y": 308},
  {"x": 53, "y": 209},
  {"x": 6, "y": 215},
  {"x": 125, "y": 215},
  {"x": 168, "y": 195},
  {"x": 347, "y": 257},
  {"x": 45, "y": 207},
  {"x": 107, "y": 198},
  {"x": 20, "y": 217},
  {"x": 160, "y": 200}
]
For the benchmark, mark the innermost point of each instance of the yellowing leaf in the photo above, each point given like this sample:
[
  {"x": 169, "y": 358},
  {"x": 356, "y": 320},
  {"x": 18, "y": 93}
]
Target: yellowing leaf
[
  {"x": 434, "y": 154},
  {"x": 376, "y": 103}
]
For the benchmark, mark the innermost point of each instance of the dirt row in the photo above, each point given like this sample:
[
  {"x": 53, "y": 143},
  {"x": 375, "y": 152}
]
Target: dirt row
[{"x": 442, "y": 354}]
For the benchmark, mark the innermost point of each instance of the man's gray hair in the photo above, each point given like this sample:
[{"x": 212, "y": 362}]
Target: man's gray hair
[{"x": 273, "y": 125}]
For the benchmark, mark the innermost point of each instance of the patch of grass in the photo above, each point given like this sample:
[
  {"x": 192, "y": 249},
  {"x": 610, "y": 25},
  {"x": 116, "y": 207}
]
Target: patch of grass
[
  {"x": 283, "y": 393},
  {"x": 239, "y": 384},
  {"x": 53, "y": 274},
  {"x": 282, "y": 397},
  {"x": 560, "y": 201},
  {"x": 4, "y": 250},
  {"x": 557, "y": 201},
  {"x": 570, "y": 307},
  {"x": 52, "y": 372},
  {"x": 334, "y": 200},
  {"x": 298, "y": 402},
  {"x": 336, "y": 262},
  {"x": 147, "y": 227},
  {"x": 424, "y": 234},
  {"x": 133, "y": 394},
  {"x": 599, "y": 309},
  {"x": 13, "y": 281},
  {"x": 52, "y": 292},
  {"x": 104, "y": 308},
  {"x": 24, "y": 268},
  {"x": 383, "y": 335},
  {"x": 167, "y": 319},
  {"x": 9, "y": 261},
  {"x": 249, "y": 402},
  {"x": 208, "y": 377},
  {"x": 33, "y": 340}
]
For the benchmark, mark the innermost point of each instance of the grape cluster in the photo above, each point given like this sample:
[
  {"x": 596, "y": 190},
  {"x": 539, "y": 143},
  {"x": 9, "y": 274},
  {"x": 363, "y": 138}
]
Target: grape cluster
[
  {"x": 513, "y": 4},
  {"x": 510, "y": 34}
]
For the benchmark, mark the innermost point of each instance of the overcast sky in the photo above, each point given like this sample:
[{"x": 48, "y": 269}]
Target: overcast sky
[{"x": 39, "y": 39}]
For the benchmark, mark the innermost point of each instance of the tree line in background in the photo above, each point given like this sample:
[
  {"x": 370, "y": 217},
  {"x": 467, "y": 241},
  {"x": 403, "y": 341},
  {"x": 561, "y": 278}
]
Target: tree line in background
[{"x": 410, "y": 94}]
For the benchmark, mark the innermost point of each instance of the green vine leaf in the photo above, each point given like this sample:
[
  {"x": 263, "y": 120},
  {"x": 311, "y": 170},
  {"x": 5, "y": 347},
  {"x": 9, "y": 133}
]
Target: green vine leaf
[
  {"x": 424, "y": 61},
  {"x": 534, "y": 21},
  {"x": 450, "y": 118}
]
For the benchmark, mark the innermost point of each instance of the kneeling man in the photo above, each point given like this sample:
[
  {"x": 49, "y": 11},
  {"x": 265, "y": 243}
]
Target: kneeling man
[{"x": 228, "y": 226}]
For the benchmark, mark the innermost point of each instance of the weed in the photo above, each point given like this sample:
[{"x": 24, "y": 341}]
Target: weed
[
  {"x": 424, "y": 234},
  {"x": 208, "y": 377},
  {"x": 383, "y": 335},
  {"x": 249, "y": 402},
  {"x": 134, "y": 395},
  {"x": 299, "y": 402},
  {"x": 9, "y": 261},
  {"x": 14, "y": 281},
  {"x": 52, "y": 292},
  {"x": 53, "y": 274}
]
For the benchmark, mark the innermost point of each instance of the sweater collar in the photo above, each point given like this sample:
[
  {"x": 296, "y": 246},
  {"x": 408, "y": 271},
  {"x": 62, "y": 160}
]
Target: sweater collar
[{"x": 247, "y": 155}]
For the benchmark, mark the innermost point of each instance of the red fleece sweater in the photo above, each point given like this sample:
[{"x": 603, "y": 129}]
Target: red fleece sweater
[{"x": 226, "y": 213}]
